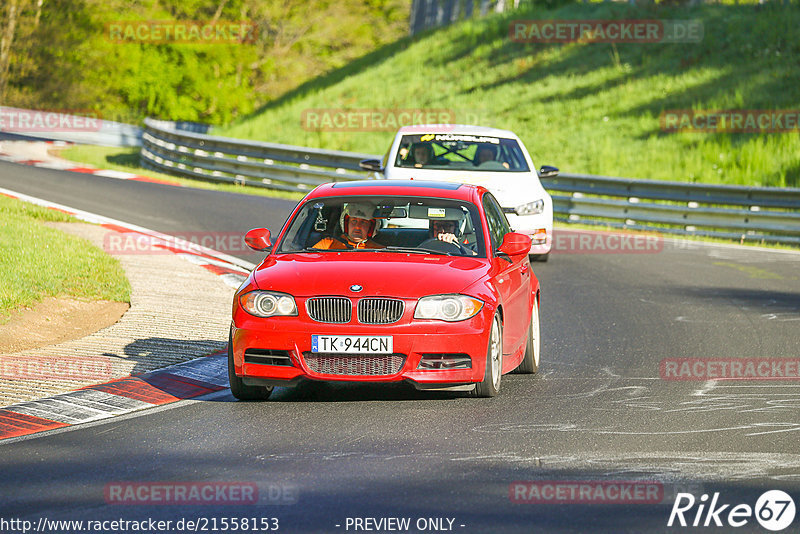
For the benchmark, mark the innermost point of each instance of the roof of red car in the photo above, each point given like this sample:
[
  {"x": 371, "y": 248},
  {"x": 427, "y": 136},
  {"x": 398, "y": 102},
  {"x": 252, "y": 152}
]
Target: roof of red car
[{"x": 451, "y": 190}]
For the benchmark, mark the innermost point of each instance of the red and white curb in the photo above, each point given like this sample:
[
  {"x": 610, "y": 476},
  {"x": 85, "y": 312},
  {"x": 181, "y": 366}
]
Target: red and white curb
[
  {"x": 182, "y": 381},
  {"x": 64, "y": 165},
  {"x": 231, "y": 270},
  {"x": 178, "y": 382}
]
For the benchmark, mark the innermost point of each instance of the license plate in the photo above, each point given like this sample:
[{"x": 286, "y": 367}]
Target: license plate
[{"x": 352, "y": 344}]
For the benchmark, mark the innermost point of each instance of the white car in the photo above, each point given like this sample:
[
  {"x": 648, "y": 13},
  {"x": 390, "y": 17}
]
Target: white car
[{"x": 495, "y": 159}]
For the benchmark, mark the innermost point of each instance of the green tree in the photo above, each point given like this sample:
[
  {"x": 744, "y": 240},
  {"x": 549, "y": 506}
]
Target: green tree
[{"x": 59, "y": 54}]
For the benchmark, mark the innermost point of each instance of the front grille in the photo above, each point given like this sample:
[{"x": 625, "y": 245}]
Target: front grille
[
  {"x": 268, "y": 357},
  {"x": 330, "y": 309},
  {"x": 355, "y": 364},
  {"x": 379, "y": 310}
]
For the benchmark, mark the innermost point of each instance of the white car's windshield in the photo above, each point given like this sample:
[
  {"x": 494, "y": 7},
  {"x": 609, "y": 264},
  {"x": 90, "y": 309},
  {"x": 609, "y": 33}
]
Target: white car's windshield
[
  {"x": 394, "y": 224},
  {"x": 460, "y": 152}
]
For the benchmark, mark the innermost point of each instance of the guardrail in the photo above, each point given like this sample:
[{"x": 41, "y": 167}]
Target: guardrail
[
  {"x": 223, "y": 159},
  {"x": 746, "y": 213},
  {"x": 29, "y": 124},
  {"x": 769, "y": 214}
]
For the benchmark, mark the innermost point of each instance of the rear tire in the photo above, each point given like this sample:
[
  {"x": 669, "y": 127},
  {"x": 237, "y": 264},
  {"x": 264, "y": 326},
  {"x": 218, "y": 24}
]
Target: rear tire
[
  {"x": 238, "y": 388},
  {"x": 530, "y": 363},
  {"x": 494, "y": 362}
]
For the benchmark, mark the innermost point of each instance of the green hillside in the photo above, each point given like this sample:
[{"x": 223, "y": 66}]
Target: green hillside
[
  {"x": 584, "y": 107},
  {"x": 129, "y": 59}
]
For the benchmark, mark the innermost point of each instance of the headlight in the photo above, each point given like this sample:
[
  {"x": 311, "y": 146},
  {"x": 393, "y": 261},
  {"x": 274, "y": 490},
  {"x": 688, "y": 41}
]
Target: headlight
[
  {"x": 531, "y": 208},
  {"x": 268, "y": 303},
  {"x": 447, "y": 307}
]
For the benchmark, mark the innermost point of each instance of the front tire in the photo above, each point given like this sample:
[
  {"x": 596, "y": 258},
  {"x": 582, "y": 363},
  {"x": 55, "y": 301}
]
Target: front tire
[
  {"x": 530, "y": 363},
  {"x": 238, "y": 388},
  {"x": 494, "y": 362}
]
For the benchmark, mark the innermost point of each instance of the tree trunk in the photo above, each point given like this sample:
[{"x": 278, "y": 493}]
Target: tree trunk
[
  {"x": 11, "y": 14},
  {"x": 38, "y": 15}
]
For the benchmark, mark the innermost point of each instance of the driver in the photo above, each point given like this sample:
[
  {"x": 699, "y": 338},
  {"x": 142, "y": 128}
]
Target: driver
[
  {"x": 422, "y": 154},
  {"x": 359, "y": 226}
]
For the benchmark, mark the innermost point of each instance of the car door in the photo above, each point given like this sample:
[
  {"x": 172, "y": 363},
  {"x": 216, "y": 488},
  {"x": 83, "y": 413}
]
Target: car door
[{"x": 510, "y": 277}]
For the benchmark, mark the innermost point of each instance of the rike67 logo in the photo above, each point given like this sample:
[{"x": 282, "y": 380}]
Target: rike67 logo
[{"x": 774, "y": 510}]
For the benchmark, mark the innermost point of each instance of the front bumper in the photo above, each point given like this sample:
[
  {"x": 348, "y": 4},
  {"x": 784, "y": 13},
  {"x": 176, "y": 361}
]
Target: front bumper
[
  {"x": 413, "y": 339},
  {"x": 530, "y": 225}
]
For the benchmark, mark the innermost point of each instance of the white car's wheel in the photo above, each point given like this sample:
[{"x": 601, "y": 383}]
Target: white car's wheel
[{"x": 494, "y": 362}]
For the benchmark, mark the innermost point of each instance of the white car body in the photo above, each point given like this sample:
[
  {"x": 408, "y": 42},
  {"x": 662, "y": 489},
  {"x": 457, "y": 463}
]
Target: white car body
[{"x": 512, "y": 189}]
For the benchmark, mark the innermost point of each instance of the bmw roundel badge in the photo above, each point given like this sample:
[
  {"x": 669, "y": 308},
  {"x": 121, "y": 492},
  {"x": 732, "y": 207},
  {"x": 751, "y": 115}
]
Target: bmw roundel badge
[{"x": 355, "y": 288}]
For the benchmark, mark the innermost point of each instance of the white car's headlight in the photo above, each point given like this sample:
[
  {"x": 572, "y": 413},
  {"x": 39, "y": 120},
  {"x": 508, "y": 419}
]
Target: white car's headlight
[
  {"x": 531, "y": 208},
  {"x": 268, "y": 303},
  {"x": 447, "y": 307}
]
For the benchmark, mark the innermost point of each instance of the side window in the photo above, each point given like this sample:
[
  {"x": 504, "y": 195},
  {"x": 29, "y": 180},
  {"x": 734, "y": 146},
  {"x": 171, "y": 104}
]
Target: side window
[{"x": 498, "y": 224}]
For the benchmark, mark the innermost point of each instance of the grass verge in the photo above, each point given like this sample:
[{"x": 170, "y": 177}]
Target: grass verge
[
  {"x": 38, "y": 261},
  {"x": 585, "y": 107}
]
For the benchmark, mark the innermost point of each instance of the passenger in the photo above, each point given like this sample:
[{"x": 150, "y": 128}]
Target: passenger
[
  {"x": 359, "y": 226},
  {"x": 444, "y": 230},
  {"x": 448, "y": 231},
  {"x": 485, "y": 153}
]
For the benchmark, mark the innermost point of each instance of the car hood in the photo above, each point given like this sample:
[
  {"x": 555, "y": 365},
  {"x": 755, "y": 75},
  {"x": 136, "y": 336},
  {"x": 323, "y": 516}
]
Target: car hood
[
  {"x": 510, "y": 189},
  {"x": 384, "y": 274}
]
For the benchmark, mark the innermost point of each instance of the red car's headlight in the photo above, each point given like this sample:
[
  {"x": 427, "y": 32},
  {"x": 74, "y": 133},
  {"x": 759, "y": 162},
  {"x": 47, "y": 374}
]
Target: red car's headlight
[
  {"x": 268, "y": 303},
  {"x": 447, "y": 307}
]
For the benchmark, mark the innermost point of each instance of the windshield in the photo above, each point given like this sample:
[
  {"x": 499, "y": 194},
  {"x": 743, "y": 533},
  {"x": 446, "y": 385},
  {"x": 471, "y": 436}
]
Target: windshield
[
  {"x": 387, "y": 224},
  {"x": 461, "y": 152}
]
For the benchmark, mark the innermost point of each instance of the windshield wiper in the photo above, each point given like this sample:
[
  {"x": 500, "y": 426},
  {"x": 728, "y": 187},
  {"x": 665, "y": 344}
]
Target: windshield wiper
[
  {"x": 414, "y": 250},
  {"x": 311, "y": 249},
  {"x": 411, "y": 250}
]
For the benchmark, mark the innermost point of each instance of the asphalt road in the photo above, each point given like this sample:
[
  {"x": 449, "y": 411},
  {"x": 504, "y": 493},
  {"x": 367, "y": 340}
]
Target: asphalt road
[{"x": 599, "y": 410}]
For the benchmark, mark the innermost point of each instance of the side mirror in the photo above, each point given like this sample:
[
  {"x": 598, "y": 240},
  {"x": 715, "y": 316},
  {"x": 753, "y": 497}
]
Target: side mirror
[
  {"x": 371, "y": 165},
  {"x": 258, "y": 239},
  {"x": 548, "y": 171},
  {"x": 515, "y": 244}
]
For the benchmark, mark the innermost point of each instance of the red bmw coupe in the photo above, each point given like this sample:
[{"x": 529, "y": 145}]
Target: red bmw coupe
[{"x": 383, "y": 281}]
